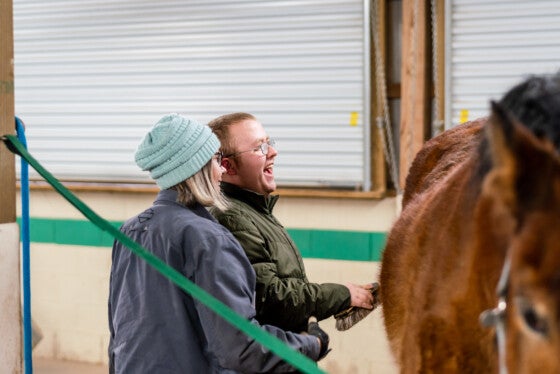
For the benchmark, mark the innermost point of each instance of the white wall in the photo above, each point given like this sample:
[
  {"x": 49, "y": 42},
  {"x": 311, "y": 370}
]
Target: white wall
[{"x": 10, "y": 322}]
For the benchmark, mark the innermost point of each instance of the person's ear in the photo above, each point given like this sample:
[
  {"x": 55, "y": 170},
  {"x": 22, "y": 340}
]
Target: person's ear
[{"x": 229, "y": 165}]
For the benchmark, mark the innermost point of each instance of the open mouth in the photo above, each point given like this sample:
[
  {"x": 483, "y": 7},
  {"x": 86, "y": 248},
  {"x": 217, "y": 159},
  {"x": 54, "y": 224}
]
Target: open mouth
[{"x": 268, "y": 169}]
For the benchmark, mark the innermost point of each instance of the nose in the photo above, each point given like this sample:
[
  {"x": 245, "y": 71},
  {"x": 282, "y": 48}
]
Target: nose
[{"x": 272, "y": 152}]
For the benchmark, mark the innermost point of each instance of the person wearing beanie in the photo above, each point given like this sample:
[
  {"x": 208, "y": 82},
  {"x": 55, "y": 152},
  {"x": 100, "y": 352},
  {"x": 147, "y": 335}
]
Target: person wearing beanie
[
  {"x": 285, "y": 296},
  {"x": 155, "y": 327}
]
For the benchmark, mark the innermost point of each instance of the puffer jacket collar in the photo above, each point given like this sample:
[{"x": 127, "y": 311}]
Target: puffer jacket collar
[{"x": 257, "y": 201}]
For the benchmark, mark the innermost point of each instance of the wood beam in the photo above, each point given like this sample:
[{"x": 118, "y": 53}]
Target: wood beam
[
  {"x": 10, "y": 294},
  {"x": 415, "y": 85},
  {"x": 378, "y": 166},
  {"x": 7, "y": 122}
]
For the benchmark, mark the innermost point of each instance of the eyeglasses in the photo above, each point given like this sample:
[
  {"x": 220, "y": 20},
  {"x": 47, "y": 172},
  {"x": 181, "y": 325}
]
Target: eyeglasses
[
  {"x": 219, "y": 156},
  {"x": 264, "y": 147}
]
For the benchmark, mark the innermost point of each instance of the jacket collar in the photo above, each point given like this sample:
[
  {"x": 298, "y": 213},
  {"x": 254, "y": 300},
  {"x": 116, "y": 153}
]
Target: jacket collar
[
  {"x": 255, "y": 200},
  {"x": 169, "y": 197}
]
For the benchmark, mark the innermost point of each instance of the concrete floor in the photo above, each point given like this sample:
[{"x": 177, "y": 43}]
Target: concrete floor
[{"x": 50, "y": 366}]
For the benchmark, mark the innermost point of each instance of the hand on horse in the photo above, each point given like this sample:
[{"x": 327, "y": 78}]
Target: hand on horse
[{"x": 361, "y": 296}]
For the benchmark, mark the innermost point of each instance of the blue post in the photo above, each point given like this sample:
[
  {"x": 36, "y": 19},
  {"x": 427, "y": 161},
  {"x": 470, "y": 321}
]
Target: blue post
[{"x": 25, "y": 237}]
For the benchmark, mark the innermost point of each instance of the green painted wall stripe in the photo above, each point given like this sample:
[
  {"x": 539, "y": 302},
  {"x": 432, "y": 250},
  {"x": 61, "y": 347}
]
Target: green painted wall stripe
[
  {"x": 313, "y": 243},
  {"x": 339, "y": 245},
  {"x": 68, "y": 231}
]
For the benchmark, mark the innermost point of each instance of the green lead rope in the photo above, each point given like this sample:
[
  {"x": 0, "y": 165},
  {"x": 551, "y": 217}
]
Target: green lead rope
[{"x": 271, "y": 342}]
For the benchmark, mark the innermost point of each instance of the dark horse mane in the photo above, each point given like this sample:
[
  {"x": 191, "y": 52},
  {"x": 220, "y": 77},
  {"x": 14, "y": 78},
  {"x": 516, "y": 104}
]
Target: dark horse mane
[{"x": 535, "y": 103}]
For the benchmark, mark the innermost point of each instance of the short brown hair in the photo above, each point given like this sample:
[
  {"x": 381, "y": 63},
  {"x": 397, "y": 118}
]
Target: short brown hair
[{"x": 220, "y": 127}]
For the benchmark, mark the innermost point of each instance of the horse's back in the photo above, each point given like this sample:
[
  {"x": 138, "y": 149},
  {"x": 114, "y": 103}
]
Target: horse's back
[{"x": 439, "y": 155}]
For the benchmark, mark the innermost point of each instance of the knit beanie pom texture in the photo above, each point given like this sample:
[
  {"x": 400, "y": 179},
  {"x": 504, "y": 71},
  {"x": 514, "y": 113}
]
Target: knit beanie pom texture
[{"x": 175, "y": 149}]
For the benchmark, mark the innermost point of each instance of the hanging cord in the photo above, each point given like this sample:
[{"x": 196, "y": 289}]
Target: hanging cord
[
  {"x": 275, "y": 345},
  {"x": 437, "y": 123},
  {"x": 25, "y": 256},
  {"x": 383, "y": 122}
]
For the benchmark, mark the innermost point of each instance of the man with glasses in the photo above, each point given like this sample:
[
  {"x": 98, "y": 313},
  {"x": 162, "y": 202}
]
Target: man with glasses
[{"x": 285, "y": 297}]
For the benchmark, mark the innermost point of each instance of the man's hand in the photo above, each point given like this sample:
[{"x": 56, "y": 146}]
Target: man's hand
[{"x": 361, "y": 296}]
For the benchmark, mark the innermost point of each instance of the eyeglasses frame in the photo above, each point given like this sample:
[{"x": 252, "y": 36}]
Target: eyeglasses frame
[{"x": 264, "y": 148}]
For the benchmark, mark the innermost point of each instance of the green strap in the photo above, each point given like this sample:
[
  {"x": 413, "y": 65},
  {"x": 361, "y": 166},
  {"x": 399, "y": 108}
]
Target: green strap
[{"x": 271, "y": 342}]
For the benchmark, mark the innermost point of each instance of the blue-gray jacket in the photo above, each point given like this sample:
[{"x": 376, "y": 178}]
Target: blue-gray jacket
[{"x": 157, "y": 328}]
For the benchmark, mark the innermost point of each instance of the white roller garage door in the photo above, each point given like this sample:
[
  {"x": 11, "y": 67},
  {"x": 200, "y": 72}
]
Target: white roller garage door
[
  {"x": 91, "y": 77},
  {"x": 493, "y": 45}
]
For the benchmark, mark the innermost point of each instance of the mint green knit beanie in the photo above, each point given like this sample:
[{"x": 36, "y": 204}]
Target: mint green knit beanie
[{"x": 175, "y": 149}]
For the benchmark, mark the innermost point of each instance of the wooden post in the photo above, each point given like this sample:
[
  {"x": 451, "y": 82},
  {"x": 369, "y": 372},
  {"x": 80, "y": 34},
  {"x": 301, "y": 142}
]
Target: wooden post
[
  {"x": 415, "y": 96},
  {"x": 10, "y": 295},
  {"x": 378, "y": 169},
  {"x": 7, "y": 122}
]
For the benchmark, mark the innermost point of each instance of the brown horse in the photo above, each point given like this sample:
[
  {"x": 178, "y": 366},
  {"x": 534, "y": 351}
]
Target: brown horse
[{"x": 476, "y": 195}]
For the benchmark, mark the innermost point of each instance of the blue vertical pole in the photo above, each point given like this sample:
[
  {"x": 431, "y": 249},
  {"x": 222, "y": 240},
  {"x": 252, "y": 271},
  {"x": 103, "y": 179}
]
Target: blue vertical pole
[{"x": 25, "y": 237}]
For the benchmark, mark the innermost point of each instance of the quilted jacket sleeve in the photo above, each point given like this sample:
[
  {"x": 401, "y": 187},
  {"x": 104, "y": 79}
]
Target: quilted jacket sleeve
[{"x": 285, "y": 297}]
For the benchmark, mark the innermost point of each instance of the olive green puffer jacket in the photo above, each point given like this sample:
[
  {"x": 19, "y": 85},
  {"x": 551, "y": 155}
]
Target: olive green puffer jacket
[{"x": 285, "y": 298}]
